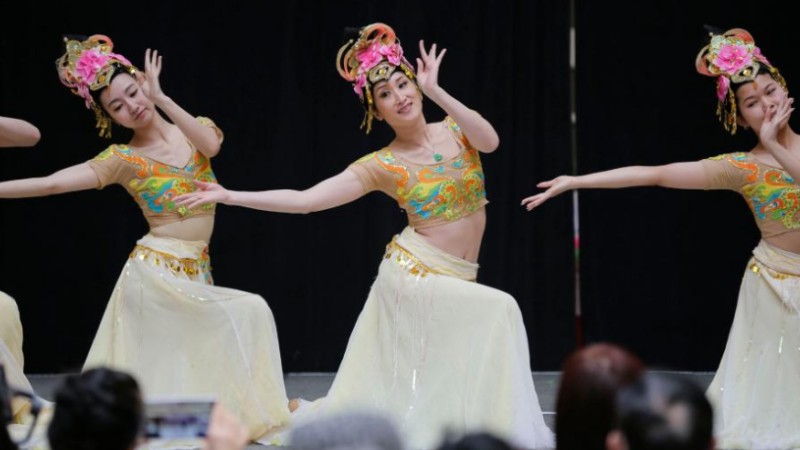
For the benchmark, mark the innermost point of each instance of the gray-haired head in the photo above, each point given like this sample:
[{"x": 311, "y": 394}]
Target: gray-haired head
[{"x": 352, "y": 430}]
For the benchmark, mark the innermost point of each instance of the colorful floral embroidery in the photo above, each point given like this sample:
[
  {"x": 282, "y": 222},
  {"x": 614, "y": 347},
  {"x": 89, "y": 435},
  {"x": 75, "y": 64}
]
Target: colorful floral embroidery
[
  {"x": 434, "y": 193},
  {"x": 157, "y": 184},
  {"x": 442, "y": 191},
  {"x": 771, "y": 193}
]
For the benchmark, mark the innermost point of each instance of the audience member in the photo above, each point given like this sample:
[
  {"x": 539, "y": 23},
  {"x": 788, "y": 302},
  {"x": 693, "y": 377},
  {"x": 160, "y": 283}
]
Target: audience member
[
  {"x": 351, "y": 430},
  {"x": 103, "y": 409},
  {"x": 98, "y": 409},
  {"x": 476, "y": 441},
  {"x": 585, "y": 404},
  {"x": 662, "y": 412}
]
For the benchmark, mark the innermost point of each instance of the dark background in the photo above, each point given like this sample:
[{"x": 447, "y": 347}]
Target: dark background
[{"x": 660, "y": 268}]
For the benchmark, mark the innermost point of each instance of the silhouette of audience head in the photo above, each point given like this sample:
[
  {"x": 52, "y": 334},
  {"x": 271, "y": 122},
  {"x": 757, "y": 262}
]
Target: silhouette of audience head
[
  {"x": 351, "y": 430},
  {"x": 476, "y": 441},
  {"x": 585, "y": 404},
  {"x": 663, "y": 412},
  {"x": 97, "y": 409}
]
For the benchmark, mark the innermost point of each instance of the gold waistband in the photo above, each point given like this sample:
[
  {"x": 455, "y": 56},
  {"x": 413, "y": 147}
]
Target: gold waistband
[
  {"x": 757, "y": 267},
  {"x": 407, "y": 260},
  {"x": 189, "y": 266}
]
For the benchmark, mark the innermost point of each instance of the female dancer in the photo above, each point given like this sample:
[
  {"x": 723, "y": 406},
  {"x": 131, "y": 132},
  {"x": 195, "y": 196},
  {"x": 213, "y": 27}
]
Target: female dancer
[
  {"x": 756, "y": 386},
  {"x": 432, "y": 347},
  {"x": 166, "y": 322},
  {"x": 14, "y": 133}
]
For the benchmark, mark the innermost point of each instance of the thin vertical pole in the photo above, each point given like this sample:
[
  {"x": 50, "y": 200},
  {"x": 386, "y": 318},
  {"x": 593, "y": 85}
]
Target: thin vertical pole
[{"x": 576, "y": 234}]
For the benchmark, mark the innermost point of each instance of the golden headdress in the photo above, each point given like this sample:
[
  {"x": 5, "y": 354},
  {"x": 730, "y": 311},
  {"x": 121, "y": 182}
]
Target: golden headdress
[
  {"x": 732, "y": 57},
  {"x": 371, "y": 58},
  {"x": 88, "y": 66}
]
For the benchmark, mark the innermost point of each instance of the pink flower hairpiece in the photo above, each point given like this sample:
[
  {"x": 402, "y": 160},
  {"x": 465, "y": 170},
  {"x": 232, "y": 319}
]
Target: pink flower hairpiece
[
  {"x": 728, "y": 57},
  {"x": 732, "y": 56},
  {"x": 371, "y": 57}
]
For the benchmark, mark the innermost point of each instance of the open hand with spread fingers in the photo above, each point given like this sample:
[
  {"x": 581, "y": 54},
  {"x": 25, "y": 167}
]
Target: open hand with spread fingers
[
  {"x": 206, "y": 193},
  {"x": 775, "y": 119},
  {"x": 149, "y": 82},
  {"x": 428, "y": 68},
  {"x": 554, "y": 187}
]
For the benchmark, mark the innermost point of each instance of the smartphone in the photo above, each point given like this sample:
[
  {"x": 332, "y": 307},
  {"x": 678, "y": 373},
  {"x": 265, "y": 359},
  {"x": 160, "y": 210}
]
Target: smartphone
[{"x": 185, "y": 417}]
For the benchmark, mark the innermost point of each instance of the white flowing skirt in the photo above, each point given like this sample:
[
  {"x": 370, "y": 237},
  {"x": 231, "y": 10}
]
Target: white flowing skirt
[
  {"x": 438, "y": 353},
  {"x": 11, "y": 356},
  {"x": 180, "y": 335},
  {"x": 756, "y": 390}
]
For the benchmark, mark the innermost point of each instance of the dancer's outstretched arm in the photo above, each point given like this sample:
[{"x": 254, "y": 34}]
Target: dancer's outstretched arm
[
  {"x": 335, "y": 191},
  {"x": 685, "y": 175},
  {"x": 17, "y": 133},
  {"x": 75, "y": 178}
]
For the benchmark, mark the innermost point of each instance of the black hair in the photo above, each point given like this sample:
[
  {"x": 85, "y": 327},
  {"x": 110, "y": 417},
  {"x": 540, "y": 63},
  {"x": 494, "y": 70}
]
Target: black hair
[
  {"x": 762, "y": 69},
  {"x": 100, "y": 409},
  {"x": 665, "y": 412},
  {"x": 118, "y": 69},
  {"x": 476, "y": 441}
]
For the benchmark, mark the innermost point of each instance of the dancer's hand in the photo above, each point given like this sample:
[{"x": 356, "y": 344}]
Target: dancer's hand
[
  {"x": 206, "y": 193},
  {"x": 554, "y": 187},
  {"x": 149, "y": 83},
  {"x": 774, "y": 120},
  {"x": 428, "y": 68},
  {"x": 226, "y": 431}
]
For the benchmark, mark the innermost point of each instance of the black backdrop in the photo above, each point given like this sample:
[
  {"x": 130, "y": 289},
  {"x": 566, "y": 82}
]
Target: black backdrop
[{"x": 660, "y": 268}]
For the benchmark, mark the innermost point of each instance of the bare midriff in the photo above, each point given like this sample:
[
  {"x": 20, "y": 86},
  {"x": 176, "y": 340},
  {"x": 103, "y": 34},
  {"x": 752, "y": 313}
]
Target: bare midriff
[
  {"x": 197, "y": 228},
  {"x": 461, "y": 238},
  {"x": 789, "y": 241}
]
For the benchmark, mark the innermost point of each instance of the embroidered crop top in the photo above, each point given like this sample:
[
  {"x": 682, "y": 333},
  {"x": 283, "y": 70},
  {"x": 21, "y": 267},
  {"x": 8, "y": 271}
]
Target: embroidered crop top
[
  {"x": 431, "y": 194},
  {"x": 154, "y": 184},
  {"x": 771, "y": 193}
]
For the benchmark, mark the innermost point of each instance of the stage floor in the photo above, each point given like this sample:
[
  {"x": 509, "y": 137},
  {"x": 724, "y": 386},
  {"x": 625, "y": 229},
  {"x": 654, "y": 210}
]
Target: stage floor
[{"x": 310, "y": 386}]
